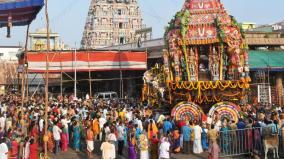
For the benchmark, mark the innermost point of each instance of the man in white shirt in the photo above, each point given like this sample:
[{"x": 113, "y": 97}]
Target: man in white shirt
[
  {"x": 128, "y": 115},
  {"x": 139, "y": 123},
  {"x": 56, "y": 135},
  {"x": 2, "y": 121},
  {"x": 105, "y": 112},
  {"x": 3, "y": 150},
  {"x": 209, "y": 120},
  {"x": 108, "y": 150},
  {"x": 197, "y": 146},
  {"x": 64, "y": 111},
  {"x": 64, "y": 122},
  {"x": 41, "y": 124},
  {"x": 120, "y": 138},
  {"x": 112, "y": 137},
  {"x": 164, "y": 149},
  {"x": 102, "y": 122},
  {"x": 4, "y": 108},
  {"x": 87, "y": 96}
]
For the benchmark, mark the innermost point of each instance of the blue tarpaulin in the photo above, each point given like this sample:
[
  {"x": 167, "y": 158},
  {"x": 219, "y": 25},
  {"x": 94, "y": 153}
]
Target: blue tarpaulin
[
  {"x": 19, "y": 12},
  {"x": 266, "y": 60}
]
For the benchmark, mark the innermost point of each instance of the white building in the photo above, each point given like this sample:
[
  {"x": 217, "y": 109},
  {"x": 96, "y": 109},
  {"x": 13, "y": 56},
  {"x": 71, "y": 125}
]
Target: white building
[{"x": 9, "y": 53}]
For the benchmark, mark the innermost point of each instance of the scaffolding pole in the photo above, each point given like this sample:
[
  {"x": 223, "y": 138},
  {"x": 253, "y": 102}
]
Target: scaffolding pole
[
  {"x": 61, "y": 78},
  {"x": 46, "y": 81},
  {"x": 90, "y": 76},
  {"x": 26, "y": 61},
  {"x": 25, "y": 68},
  {"x": 75, "y": 73}
]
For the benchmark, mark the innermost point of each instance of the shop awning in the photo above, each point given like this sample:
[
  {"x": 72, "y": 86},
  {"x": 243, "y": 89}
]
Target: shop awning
[
  {"x": 266, "y": 60},
  {"x": 82, "y": 61},
  {"x": 19, "y": 12}
]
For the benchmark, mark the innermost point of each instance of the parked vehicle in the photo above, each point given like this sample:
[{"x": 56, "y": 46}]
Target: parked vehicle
[{"x": 106, "y": 95}]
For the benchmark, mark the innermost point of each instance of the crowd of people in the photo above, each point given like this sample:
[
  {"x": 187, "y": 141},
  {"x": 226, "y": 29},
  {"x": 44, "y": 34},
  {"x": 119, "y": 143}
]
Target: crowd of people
[{"x": 122, "y": 129}]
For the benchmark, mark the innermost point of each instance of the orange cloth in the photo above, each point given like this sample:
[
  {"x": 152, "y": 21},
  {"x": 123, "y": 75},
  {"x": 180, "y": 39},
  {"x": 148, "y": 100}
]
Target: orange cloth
[
  {"x": 50, "y": 142},
  {"x": 133, "y": 141},
  {"x": 96, "y": 127},
  {"x": 90, "y": 135},
  {"x": 148, "y": 112},
  {"x": 152, "y": 132}
]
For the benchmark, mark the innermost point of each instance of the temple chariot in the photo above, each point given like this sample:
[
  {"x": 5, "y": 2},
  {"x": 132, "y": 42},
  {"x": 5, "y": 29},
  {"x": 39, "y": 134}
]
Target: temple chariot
[{"x": 205, "y": 67}]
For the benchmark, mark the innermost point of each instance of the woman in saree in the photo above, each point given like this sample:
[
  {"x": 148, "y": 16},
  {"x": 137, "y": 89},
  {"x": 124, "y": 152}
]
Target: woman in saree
[
  {"x": 249, "y": 135},
  {"x": 14, "y": 149},
  {"x": 33, "y": 149},
  {"x": 144, "y": 154},
  {"x": 131, "y": 147},
  {"x": 50, "y": 142},
  {"x": 96, "y": 128},
  {"x": 76, "y": 136},
  {"x": 35, "y": 132},
  {"x": 152, "y": 129},
  {"x": 64, "y": 139},
  {"x": 154, "y": 147},
  {"x": 126, "y": 130}
]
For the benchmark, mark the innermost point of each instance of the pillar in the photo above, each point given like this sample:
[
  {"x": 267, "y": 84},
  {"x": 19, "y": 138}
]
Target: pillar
[{"x": 279, "y": 87}]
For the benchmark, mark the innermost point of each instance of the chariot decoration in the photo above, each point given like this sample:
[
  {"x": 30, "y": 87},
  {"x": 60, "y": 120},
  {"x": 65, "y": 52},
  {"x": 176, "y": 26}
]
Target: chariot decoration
[{"x": 205, "y": 59}]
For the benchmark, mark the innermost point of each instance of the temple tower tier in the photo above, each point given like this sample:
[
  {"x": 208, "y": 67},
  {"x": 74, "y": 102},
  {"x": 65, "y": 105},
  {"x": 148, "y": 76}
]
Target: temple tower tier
[{"x": 111, "y": 22}]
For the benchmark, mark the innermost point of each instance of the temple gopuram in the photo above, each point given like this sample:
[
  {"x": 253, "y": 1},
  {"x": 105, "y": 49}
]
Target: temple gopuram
[{"x": 205, "y": 63}]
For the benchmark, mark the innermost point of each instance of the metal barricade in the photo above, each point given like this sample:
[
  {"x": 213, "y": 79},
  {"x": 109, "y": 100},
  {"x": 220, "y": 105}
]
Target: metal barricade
[
  {"x": 281, "y": 142},
  {"x": 245, "y": 142},
  {"x": 240, "y": 142}
]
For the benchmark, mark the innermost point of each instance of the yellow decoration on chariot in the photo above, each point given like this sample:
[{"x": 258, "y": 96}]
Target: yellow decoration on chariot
[{"x": 201, "y": 86}]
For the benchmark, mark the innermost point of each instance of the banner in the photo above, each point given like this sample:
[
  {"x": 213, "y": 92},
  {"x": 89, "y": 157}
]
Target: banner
[
  {"x": 264, "y": 94},
  {"x": 82, "y": 61}
]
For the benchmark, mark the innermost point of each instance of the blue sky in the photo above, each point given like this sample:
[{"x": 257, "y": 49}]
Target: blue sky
[{"x": 68, "y": 17}]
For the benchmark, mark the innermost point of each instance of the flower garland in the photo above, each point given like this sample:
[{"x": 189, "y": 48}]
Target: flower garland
[
  {"x": 202, "y": 86},
  {"x": 206, "y": 85},
  {"x": 202, "y": 99},
  {"x": 187, "y": 42}
]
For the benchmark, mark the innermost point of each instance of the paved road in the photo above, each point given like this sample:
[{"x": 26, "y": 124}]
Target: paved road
[{"x": 71, "y": 154}]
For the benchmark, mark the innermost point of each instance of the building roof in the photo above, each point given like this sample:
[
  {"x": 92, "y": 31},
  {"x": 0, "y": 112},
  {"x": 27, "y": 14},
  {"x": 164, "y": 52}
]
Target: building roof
[
  {"x": 272, "y": 60},
  {"x": 265, "y": 41},
  {"x": 248, "y": 23},
  {"x": 21, "y": 12},
  {"x": 43, "y": 33},
  {"x": 7, "y": 46},
  {"x": 84, "y": 61}
]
